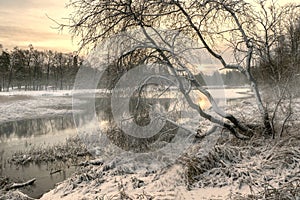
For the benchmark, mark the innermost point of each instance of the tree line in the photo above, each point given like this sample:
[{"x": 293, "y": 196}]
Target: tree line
[
  {"x": 278, "y": 64},
  {"x": 32, "y": 69}
]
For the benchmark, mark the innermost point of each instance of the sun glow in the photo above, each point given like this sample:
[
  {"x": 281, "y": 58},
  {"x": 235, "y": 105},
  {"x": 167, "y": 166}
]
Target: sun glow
[
  {"x": 203, "y": 102},
  {"x": 27, "y": 22}
]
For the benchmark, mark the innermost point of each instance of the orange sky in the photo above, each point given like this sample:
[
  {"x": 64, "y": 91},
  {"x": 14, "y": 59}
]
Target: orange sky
[{"x": 24, "y": 22}]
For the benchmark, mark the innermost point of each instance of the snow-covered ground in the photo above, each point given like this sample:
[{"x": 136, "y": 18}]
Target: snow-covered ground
[
  {"x": 168, "y": 184},
  {"x": 263, "y": 168},
  {"x": 252, "y": 165},
  {"x": 17, "y": 105}
]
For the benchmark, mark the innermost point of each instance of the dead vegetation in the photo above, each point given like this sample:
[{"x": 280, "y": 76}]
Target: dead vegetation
[
  {"x": 14, "y": 195},
  {"x": 269, "y": 168},
  {"x": 57, "y": 157},
  {"x": 3, "y": 182},
  {"x": 70, "y": 152},
  {"x": 290, "y": 190}
]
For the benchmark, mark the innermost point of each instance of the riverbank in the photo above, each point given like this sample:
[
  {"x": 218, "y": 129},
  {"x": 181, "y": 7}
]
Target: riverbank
[
  {"x": 256, "y": 169},
  {"x": 49, "y": 162},
  {"x": 214, "y": 167},
  {"x": 231, "y": 169}
]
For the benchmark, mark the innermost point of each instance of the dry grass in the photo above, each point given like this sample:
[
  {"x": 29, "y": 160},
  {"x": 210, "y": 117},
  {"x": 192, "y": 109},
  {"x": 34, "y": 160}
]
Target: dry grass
[
  {"x": 70, "y": 150},
  {"x": 269, "y": 168}
]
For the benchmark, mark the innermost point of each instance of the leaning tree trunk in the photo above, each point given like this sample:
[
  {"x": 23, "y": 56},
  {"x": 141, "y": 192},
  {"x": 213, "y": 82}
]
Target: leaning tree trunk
[
  {"x": 246, "y": 70},
  {"x": 263, "y": 110},
  {"x": 235, "y": 128}
]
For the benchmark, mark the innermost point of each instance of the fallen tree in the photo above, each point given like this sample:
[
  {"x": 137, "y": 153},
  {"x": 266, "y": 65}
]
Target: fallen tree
[{"x": 19, "y": 185}]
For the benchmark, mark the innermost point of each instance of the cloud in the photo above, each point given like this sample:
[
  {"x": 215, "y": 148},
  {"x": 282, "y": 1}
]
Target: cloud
[
  {"x": 28, "y": 4},
  {"x": 24, "y": 22},
  {"x": 22, "y": 33},
  {"x": 11, "y": 36}
]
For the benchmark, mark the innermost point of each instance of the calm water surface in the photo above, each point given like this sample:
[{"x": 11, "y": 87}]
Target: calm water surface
[{"x": 22, "y": 135}]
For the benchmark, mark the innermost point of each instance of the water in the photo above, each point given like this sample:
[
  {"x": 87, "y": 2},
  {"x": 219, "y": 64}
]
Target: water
[
  {"x": 44, "y": 181},
  {"x": 21, "y": 135},
  {"x": 24, "y": 134}
]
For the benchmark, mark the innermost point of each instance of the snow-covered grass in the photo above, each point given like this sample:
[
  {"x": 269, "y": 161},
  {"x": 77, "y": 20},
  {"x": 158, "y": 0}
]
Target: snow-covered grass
[
  {"x": 20, "y": 107},
  {"x": 230, "y": 171},
  {"x": 262, "y": 168}
]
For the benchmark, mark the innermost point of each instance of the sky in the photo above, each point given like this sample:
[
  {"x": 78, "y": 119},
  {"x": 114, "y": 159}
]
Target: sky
[{"x": 24, "y": 22}]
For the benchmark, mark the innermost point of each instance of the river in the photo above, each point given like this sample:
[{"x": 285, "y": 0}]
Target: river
[{"x": 23, "y": 134}]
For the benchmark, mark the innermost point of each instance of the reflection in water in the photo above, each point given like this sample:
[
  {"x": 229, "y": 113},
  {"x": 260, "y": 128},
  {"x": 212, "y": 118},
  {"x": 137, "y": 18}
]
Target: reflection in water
[
  {"x": 21, "y": 136},
  {"x": 139, "y": 109},
  {"x": 30, "y": 127}
]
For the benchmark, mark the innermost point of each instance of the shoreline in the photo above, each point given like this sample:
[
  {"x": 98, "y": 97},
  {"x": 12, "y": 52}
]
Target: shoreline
[{"x": 229, "y": 168}]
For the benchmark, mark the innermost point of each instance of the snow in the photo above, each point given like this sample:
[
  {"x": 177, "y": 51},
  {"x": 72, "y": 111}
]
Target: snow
[
  {"x": 169, "y": 185},
  {"x": 163, "y": 184},
  {"x": 17, "y": 105},
  {"x": 29, "y": 107},
  {"x": 38, "y": 93}
]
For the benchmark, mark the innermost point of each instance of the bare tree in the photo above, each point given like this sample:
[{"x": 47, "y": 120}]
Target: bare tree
[
  {"x": 4, "y": 67},
  {"x": 273, "y": 25},
  {"x": 210, "y": 22},
  {"x": 274, "y": 32}
]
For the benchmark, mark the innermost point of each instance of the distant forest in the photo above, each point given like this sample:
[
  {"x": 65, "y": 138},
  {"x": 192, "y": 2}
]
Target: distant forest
[{"x": 32, "y": 69}]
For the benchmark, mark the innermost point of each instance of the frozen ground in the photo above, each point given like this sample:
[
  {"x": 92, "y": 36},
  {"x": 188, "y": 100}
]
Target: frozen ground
[
  {"x": 36, "y": 104},
  {"x": 232, "y": 169},
  {"x": 262, "y": 168}
]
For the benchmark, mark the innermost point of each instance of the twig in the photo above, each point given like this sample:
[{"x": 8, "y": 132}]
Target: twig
[
  {"x": 287, "y": 117},
  {"x": 56, "y": 171}
]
